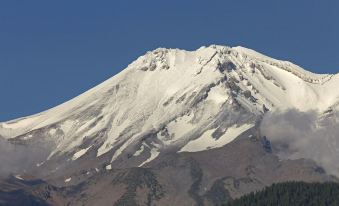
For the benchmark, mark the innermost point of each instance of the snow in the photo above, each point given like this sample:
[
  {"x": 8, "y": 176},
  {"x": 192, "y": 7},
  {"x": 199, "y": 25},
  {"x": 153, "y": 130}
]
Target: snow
[
  {"x": 20, "y": 123},
  {"x": 67, "y": 125},
  {"x": 86, "y": 125},
  {"x": 108, "y": 167},
  {"x": 178, "y": 129},
  {"x": 119, "y": 151},
  {"x": 218, "y": 95},
  {"x": 80, "y": 153},
  {"x": 68, "y": 179},
  {"x": 303, "y": 90},
  {"x": 19, "y": 177},
  {"x": 17, "y": 127},
  {"x": 139, "y": 152},
  {"x": 39, "y": 164},
  {"x": 114, "y": 134},
  {"x": 52, "y": 131},
  {"x": 154, "y": 154},
  {"x": 156, "y": 92},
  {"x": 27, "y": 137},
  {"x": 206, "y": 141},
  {"x": 300, "y": 94},
  {"x": 285, "y": 65}
]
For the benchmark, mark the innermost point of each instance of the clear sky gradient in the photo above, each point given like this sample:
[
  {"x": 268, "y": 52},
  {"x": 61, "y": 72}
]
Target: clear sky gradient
[{"x": 51, "y": 51}]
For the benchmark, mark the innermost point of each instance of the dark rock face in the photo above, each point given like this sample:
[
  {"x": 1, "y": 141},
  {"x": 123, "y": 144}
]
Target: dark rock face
[
  {"x": 196, "y": 175},
  {"x": 226, "y": 66},
  {"x": 138, "y": 178},
  {"x": 266, "y": 144},
  {"x": 19, "y": 198},
  {"x": 17, "y": 192},
  {"x": 218, "y": 194},
  {"x": 265, "y": 109}
]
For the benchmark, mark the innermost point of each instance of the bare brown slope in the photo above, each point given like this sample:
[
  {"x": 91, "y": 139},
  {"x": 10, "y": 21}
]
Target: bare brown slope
[{"x": 203, "y": 178}]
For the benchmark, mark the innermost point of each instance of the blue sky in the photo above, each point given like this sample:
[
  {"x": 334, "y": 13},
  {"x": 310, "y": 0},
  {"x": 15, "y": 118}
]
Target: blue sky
[{"x": 51, "y": 51}]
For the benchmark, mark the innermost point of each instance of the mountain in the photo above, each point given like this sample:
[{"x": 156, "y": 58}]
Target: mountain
[{"x": 174, "y": 127}]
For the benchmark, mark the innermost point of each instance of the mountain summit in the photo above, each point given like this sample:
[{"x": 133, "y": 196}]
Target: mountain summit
[{"x": 173, "y": 114}]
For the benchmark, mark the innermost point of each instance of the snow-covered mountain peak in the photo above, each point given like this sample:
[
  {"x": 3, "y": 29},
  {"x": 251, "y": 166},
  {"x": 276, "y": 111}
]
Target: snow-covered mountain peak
[
  {"x": 285, "y": 65},
  {"x": 161, "y": 58},
  {"x": 172, "y": 99}
]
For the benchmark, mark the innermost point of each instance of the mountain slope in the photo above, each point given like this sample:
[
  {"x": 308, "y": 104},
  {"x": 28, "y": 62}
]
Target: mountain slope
[
  {"x": 172, "y": 103},
  {"x": 165, "y": 86}
]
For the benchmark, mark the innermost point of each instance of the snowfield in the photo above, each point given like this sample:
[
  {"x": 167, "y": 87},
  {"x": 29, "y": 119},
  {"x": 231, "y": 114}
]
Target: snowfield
[{"x": 206, "y": 141}]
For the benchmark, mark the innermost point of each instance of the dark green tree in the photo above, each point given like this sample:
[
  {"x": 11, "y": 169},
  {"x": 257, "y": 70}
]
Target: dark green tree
[{"x": 292, "y": 194}]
